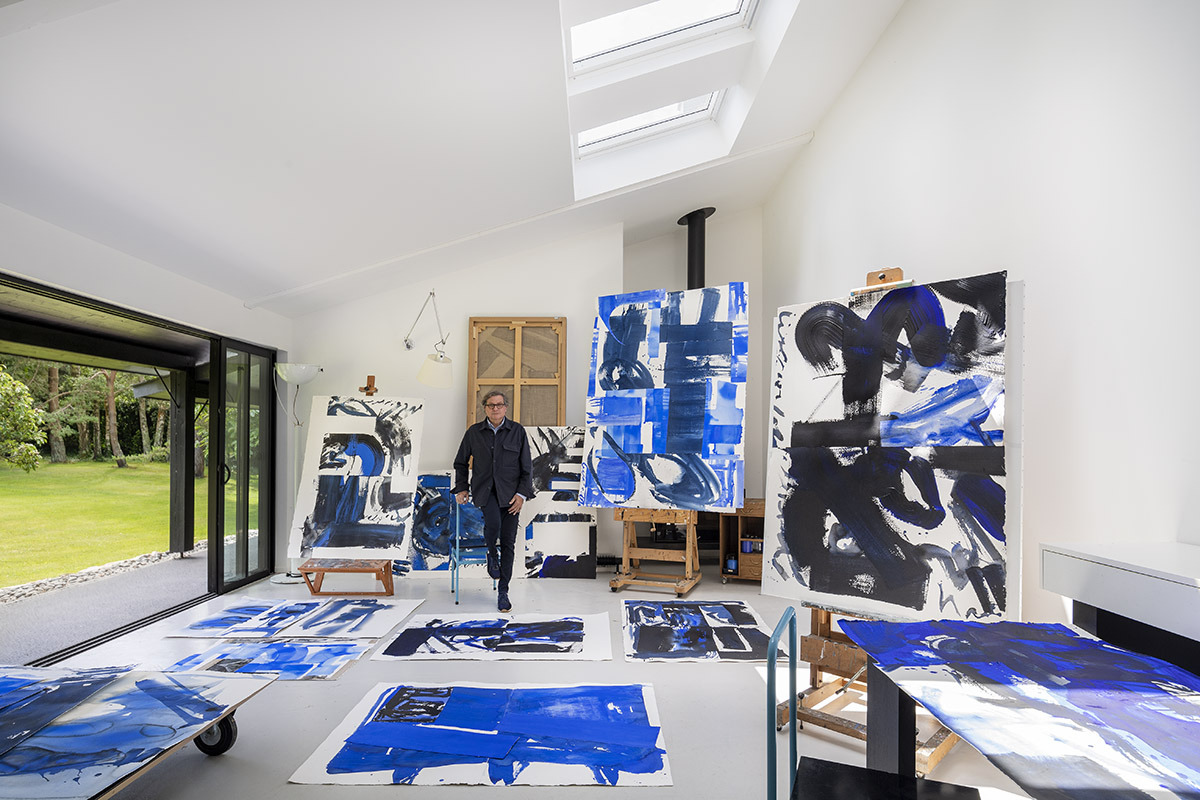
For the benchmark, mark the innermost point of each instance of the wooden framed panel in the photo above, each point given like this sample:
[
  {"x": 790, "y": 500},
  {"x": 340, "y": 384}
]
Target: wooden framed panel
[{"x": 526, "y": 358}]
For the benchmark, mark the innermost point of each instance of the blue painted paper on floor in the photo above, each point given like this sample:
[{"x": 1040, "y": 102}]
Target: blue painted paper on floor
[
  {"x": 560, "y": 535},
  {"x": 519, "y": 636},
  {"x": 1062, "y": 714},
  {"x": 886, "y": 472},
  {"x": 343, "y": 618},
  {"x": 116, "y": 730},
  {"x": 496, "y": 735},
  {"x": 666, "y": 400},
  {"x": 684, "y": 630},
  {"x": 435, "y": 515},
  {"x": 359, "y": 478},
  {"x": 290, "y": 660}
]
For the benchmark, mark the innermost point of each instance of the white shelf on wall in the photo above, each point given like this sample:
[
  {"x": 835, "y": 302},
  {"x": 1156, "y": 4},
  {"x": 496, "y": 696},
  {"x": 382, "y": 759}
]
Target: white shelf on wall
[{"x": 1156, "y": 583}]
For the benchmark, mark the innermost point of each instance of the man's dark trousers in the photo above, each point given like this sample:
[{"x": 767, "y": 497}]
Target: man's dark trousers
[{"x": 499, "y": 524}]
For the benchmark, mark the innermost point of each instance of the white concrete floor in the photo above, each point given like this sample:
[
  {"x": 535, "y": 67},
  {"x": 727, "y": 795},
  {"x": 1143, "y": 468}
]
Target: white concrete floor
[{"x": 713, "y": 716}]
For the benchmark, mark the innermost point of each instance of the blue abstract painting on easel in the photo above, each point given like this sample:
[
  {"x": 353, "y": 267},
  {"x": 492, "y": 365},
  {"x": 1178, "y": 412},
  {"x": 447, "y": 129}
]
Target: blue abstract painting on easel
[
  {"x": 666, "y": 400},
  {"x": 1064, "y": 715},
  {"x": 886, "y": 471},
  {"x": 359, "y": 478},
  {"x": 685, "y": 630},
  {"x": 481, "y": 734},
  {"x": 435, "y": 515}
]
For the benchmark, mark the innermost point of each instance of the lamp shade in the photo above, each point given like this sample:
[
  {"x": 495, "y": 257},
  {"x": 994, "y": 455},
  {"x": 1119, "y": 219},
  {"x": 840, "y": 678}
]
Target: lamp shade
[
  {"x": 437, "y": 371},
  {"x": 297, "y": 374}
]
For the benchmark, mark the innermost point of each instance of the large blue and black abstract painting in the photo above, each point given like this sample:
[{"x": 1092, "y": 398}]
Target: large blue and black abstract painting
[
  {"x": 520, "y": 636},
  {"x": 359, "y": 478},
  {"x": 74, "y": 733},
  {"x": 436, "y": 517},
  {"x": 886, "y": 471},
  {"x": 604, "y": 735},
  {"x": 1066, "y": 716},
  {"x": 560, "y": 535},
  {"x": 666, "y": 400},
  {"x": 684, "y": 630}
]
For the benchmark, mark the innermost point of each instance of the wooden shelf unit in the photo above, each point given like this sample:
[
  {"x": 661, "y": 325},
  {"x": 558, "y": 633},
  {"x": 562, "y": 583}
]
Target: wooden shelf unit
[{"x": 738, "y": 531}]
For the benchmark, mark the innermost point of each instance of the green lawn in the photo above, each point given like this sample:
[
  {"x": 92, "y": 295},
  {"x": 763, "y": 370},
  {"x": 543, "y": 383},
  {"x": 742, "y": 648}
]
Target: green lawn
[{"x": 62, "y": 518}]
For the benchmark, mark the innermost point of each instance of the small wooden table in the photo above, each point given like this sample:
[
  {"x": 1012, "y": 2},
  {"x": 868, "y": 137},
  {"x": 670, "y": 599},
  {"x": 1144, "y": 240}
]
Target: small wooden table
[{"x": 314, "y": 571}]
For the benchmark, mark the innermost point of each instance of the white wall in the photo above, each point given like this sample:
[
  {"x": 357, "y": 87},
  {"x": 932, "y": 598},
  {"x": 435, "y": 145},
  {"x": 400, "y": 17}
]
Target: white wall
[
  {"x": 562, "y": 278},
  {"x": 42, "y": 252},
  {"x": 1057, "y": 140},
  {"x": 733, "y": 252}
]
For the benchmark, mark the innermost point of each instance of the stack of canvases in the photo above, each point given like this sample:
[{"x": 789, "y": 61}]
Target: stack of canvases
[{"x": 886, "y": 471}]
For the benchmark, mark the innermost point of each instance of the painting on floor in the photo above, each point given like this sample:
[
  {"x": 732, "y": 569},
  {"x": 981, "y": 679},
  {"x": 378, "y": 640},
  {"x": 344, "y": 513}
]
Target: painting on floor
[
  {"x": 435, "y": 515},
  {"x": 359, "y": 478},
  {"x": 886, "y": 470},
  {"x": 480, "y": 734},
  {"x": 345, "y": 618},
  {"x": 115, "y": 723},
  {"x": 560, "y": 535},
  {"x": 287, "y": 659},
  {"x": 521, "y": 636},
  {"x": 666, "y": 404},
  {"x": 1063, "y": 714},
  {"x": 684, "y": 630}
]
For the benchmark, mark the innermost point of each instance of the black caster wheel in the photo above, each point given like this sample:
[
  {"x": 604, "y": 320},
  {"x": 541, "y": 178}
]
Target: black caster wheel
[
  {"x": 218, "y": 738},
  {"x": 724, "y": 579}
]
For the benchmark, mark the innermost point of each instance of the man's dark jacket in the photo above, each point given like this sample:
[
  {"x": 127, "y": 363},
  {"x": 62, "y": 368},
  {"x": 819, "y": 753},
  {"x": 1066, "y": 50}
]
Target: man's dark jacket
[{"x": 501, "y": 457}]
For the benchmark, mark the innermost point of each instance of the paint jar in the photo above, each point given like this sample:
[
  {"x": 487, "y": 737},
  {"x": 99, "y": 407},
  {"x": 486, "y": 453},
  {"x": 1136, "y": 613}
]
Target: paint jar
[
  {"x": 731, "y": 564},
  {"x": 747, "y": 547}
]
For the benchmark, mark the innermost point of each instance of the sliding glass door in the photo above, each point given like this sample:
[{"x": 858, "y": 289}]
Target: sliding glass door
[{"x": 241, "y": 483}]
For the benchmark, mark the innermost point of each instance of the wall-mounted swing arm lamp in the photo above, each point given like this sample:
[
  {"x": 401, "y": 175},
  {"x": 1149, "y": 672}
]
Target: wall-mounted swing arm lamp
[
  {"x": 436, "y": 370},
  {"x": 297, "y": 375}
]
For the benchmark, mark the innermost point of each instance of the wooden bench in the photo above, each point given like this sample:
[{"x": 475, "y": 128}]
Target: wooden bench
[{"x": 315, "y": 569}]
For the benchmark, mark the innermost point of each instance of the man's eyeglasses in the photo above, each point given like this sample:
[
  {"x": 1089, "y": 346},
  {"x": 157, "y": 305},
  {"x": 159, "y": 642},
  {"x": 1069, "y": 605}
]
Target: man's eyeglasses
[{"x": 497, "y": 405}]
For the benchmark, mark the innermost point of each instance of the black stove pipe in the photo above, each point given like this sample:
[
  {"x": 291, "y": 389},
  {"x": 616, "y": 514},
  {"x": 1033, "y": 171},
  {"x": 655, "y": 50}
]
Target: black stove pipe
[{"x": 695, "y": 238}]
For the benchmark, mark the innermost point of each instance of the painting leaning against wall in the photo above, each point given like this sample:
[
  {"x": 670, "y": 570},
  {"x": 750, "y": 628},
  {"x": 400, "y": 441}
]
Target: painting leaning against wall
[
  {"x": 886, "y": 466},
  {"x": 560, "y": 535}
]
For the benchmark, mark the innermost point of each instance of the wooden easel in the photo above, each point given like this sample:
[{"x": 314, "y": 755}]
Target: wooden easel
[
  {"x": 830, "y": 651},
  {"x": 632, "y": 574}
]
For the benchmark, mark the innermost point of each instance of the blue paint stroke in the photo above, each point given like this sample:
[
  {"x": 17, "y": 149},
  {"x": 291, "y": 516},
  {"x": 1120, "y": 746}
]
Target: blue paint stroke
[
  {"x": 356, "y": 511},
  {"x": 685, "y": 630},
  {"x": 275, "y": 619},
  {"x": 1144, "y": 710},
  {"x": 951, "y": 415},
  {"x": 31, "y": 703},
  {"x": 291, "y": 660},
  {"x": 353, "y": 454},
  {"x": 551, "y": 637},
  {"x": 604, "y": 728},
  {"x": 342, "y": 617},
  {"x": 230, "y": 617},
  {"x": 433, "y": 526}
]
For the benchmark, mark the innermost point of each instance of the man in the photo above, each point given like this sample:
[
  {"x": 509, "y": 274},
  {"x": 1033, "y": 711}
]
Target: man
[{"x": 497, "y": 452}]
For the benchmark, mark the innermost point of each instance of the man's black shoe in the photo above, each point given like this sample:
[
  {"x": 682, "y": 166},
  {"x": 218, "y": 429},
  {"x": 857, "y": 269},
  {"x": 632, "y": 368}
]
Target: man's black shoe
[
  {"x": 493, "y": 565},
  {"x": 502, "y": 602}
]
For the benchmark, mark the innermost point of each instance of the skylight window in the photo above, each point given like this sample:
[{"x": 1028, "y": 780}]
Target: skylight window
[
  {"x": 648, "y": 24},
  {"x": 648, "y": 123}
]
